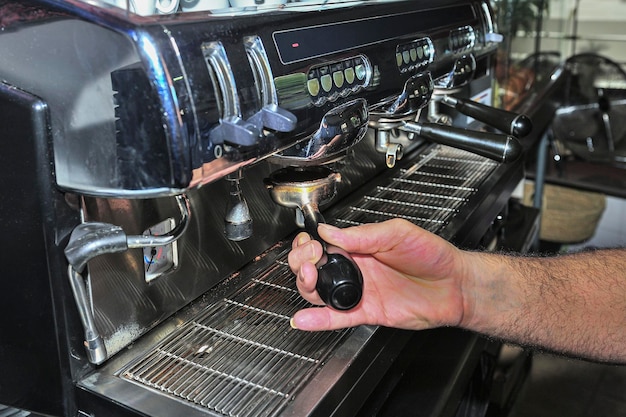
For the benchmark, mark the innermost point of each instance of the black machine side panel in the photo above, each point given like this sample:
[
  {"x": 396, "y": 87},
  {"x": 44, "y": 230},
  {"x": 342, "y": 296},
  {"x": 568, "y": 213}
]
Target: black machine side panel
[{"x": 32, "y": 367}]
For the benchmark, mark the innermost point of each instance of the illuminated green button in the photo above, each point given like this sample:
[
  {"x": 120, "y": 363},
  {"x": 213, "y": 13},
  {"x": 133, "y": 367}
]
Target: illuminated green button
[
  {"x": 327, "y": 82},
  {"x": 406, "y": 57},
  {"x": 399, "y": 59},
  {"x": 420, "y": 53},
  {"x": 360, "y": 71},
  {"x": 338, "y": 78},
  {"x": 413, "y": 53},
  {"x": 349, "y": 73},
  {"x": 314, "y": 86}
]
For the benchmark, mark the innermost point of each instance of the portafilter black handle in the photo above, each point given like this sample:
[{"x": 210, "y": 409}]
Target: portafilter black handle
[
  {"x": 518, "y": 125},
  {"x": 501, "y": 148},
  {"x": 339, "y": 279}
]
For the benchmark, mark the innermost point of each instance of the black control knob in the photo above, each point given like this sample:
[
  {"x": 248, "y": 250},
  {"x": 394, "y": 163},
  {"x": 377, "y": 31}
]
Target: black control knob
[{"x": 518, "y": 125}]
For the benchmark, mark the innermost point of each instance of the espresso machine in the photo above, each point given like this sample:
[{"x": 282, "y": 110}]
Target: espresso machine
[{"x": 159, "y": 156}]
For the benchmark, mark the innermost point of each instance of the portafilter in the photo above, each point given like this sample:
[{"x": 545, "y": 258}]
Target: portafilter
[{"x": 339, "y": 282}]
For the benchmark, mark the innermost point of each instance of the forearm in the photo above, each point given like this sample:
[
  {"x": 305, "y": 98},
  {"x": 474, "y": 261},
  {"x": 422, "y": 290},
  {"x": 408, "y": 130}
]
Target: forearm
[{"x": 575, "y": 304}]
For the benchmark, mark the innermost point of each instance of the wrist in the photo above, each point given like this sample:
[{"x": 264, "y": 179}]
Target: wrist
[{"x": 483, "y": 290}]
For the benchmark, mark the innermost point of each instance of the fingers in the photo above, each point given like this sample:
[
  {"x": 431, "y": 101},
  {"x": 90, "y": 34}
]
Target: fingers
[
  {"x": 300, "y": 239},
  {"x": 304, "y": 250},
  {"x": 306, "y": 281},
  {"x": 304, "y": 255},
  {"x": 368, "y": 238}
]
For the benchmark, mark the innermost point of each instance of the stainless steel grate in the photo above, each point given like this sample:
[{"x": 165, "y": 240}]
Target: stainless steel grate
[
  {"x": 240, "y": 357},
  {"x": 429, "y": 193}
]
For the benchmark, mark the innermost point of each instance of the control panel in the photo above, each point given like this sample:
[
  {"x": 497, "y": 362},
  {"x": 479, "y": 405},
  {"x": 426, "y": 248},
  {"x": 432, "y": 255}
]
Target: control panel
[
  {"x": 416, "y": 55},
  {"x": 461, "y": 39},
  {"x": 333, "y": 80}
]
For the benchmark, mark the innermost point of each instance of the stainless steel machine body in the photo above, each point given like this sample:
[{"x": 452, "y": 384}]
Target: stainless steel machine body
[{"x": 134, "y": 133}]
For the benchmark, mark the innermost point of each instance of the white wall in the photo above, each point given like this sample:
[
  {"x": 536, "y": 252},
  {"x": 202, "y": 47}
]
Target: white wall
[
  {"x": 611, "y": 230},
  {"x": 601, "y": 28}
]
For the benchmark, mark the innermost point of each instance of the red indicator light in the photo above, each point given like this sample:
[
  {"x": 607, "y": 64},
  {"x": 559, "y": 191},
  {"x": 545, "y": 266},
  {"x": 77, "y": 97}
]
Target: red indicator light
[{"x": 295, "y": 45}]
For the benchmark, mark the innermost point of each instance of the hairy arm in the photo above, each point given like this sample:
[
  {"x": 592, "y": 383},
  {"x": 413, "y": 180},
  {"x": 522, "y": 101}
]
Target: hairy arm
[{"x": 573, "y": 304}]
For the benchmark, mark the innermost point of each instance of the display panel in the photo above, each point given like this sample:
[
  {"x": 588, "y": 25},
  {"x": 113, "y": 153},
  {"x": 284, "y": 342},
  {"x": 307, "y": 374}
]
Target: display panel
[{"x": 315, "y": 41}]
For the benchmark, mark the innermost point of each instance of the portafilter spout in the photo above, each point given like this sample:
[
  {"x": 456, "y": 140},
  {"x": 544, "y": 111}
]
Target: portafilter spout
[{"x": 339, "y": 282}]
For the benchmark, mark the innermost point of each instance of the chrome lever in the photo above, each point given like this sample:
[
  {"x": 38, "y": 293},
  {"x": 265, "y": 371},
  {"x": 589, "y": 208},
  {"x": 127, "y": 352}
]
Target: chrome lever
[
  {"x": 462, "y": 73},
  {"x": 270, "y": 116},
  {"x": 232, "y": 127},
  {"x": 415, "y": 95}
]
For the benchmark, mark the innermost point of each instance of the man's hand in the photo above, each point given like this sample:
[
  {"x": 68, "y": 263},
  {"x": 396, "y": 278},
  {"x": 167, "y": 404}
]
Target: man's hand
[{"x": 411, "y": 277}]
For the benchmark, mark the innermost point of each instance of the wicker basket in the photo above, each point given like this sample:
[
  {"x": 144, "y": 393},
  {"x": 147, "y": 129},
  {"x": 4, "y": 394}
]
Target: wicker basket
[{"x": 567, "y": 215}]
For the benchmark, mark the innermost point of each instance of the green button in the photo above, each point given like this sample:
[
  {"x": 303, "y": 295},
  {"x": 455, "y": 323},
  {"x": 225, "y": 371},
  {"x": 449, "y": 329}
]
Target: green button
[
  {"x": 399, "y": 59},
  {"x": 360, "y": 71},
  {"x": 338, "y": 78},
  {"x": 327, "y": 82},
  {"x": 349, "y": 73},
  {"x": 314, "y": 86},
  {"x": 406, "y": 57},
  {"x": 413, "y": 53}
]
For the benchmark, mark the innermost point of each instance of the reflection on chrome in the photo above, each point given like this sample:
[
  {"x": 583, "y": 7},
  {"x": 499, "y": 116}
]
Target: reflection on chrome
[{"x": 221, "y": 7}]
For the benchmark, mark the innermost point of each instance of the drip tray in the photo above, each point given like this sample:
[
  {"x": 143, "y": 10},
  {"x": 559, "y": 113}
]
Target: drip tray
[{"x": 240, "y": 357}]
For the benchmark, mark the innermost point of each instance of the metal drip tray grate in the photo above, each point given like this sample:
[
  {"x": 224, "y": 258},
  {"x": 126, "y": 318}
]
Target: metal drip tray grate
[
  {"x": 240, "y": 357},
  {"x": 429, "y": 193}
]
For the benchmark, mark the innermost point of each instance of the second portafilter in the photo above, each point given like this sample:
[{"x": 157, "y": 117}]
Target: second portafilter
[
  {"x": 339, "y": 282},
  {"x": 417, "y": 93}
]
